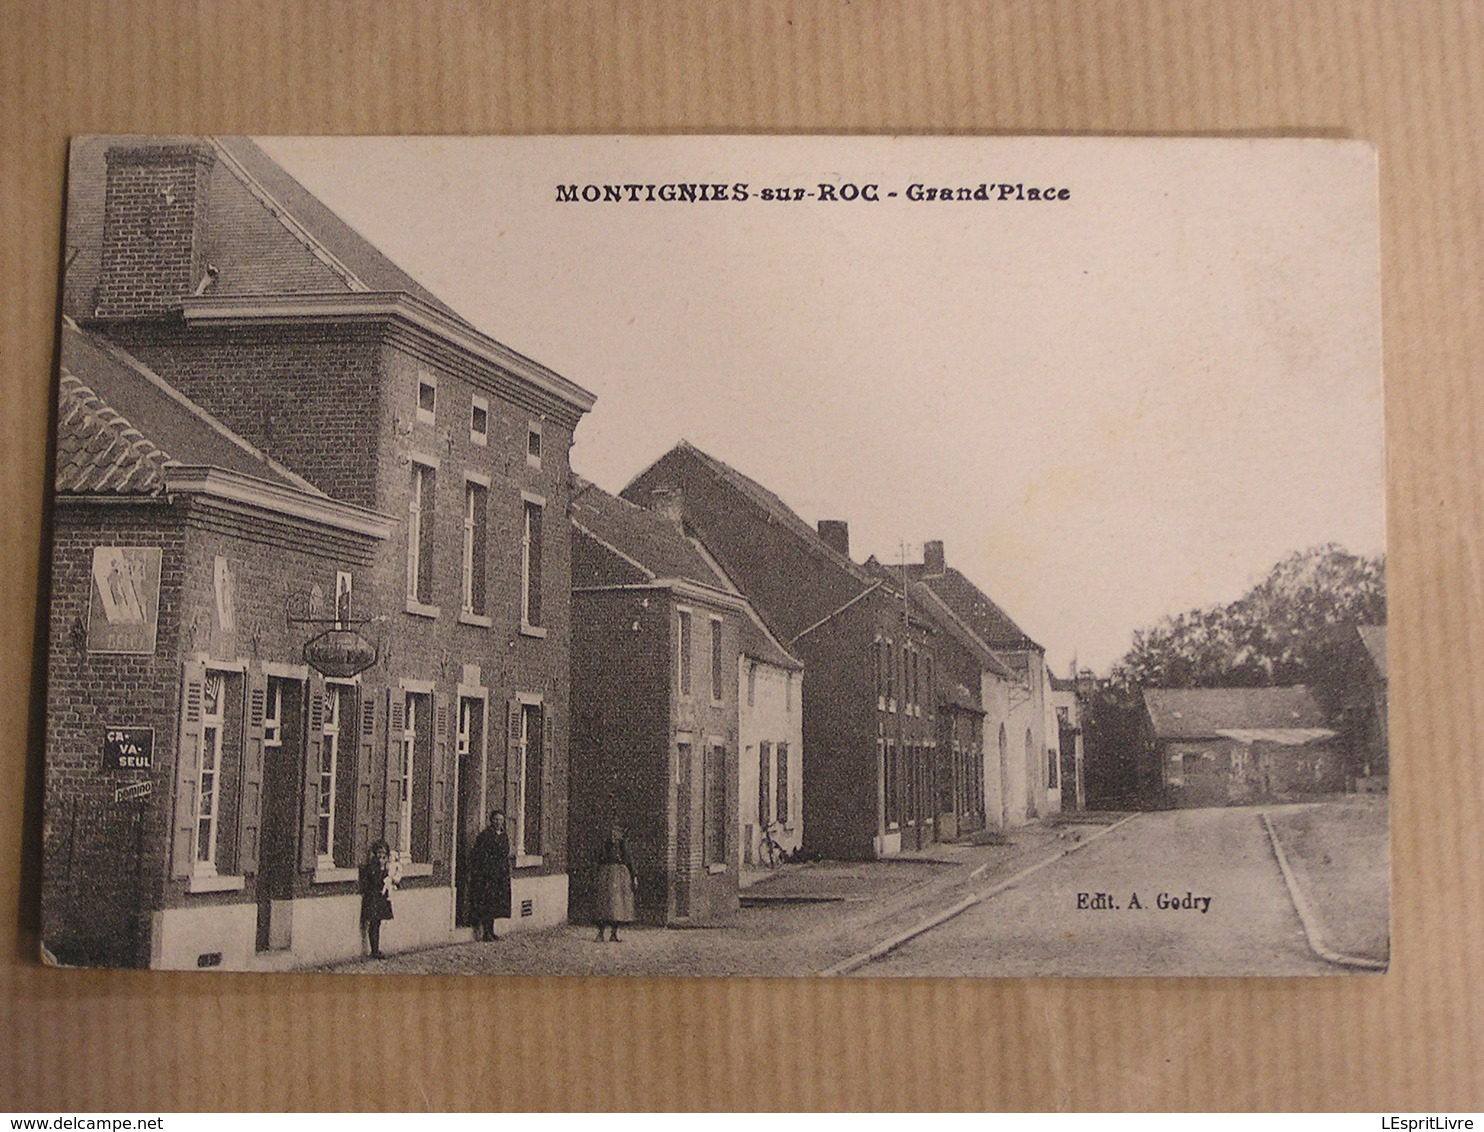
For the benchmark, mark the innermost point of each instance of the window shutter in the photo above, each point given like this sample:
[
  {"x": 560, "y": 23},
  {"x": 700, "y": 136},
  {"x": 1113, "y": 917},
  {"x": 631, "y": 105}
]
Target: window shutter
[
  {"x": 188, "y": 769},
  {"x": 438, "y": 819},
  {"x": 252, "y": 777},
  {"x": 396, "y": 723},
  {"x": 548, "y": 757},
  {"x": 309, "y": 790},
  {"x": 363, "y": 775},
  {"x": 512, "y": 759}
]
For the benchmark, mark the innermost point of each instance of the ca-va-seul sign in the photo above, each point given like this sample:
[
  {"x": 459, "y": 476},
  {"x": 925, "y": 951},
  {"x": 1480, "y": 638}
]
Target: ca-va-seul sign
[{"x": 128, "y": 748}]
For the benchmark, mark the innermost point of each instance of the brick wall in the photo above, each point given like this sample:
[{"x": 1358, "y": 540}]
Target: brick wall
[
  {"x": 96, "y": 887},
  {"x": 622, "y": 667},
  {"x": 311, "y": 397}
]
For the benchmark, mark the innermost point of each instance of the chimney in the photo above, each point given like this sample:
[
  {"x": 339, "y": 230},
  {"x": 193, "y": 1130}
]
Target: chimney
[
  {"x": 154, "y": 223},
  {"x": 836, "y": 535},
  {"x": 932, "y": 558},
  {"x": 669, "y": 502}
]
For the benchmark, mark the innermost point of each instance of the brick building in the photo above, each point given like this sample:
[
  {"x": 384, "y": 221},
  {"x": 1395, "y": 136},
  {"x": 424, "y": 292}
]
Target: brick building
[
  {"x": 1227, "y": 746},
  {"x": 200, "y": 267},
  {"x": 1021, "y": 742},
  {"x": 869, "y": 689},
  {"x": 657, "y": 641}
]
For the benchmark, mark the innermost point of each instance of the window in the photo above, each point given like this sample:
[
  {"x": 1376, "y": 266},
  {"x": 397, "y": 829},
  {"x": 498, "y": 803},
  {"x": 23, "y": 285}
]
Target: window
[
  {"x": 879, "y": 672},
  {"x": 751, "y": 684},
  {"x": 420, "y": 534},
  {"x": 273, "y": 714},
  {"x": 682, "y": 654},
  {"x": 329, "y": 766},
  {"x": 479, "y": 421},
  {"x": 718, "y": 674},
  {"x": 780, "y": 795},
  {"x": 1052, "y": 777},
  {"x": 414, "y": 809},
  {"x": 713, "y": 815},
  {"x": 533, "y": 444},
  {"x": 427, "y": 398},
  {"x": 891, "y": 676},
  {"x": 764, "y": 784},
  {"x": 221, "y": 756},
  {"x": 530, "y": 611},
  {"x": 476, "y": 524},
  {"x": 529, "y": 759}
]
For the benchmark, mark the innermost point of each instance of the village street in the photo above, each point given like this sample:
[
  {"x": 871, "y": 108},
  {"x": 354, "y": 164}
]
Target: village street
[
  {"x": 807, "y": 920},
  {"x": 1249, "y": 926}
]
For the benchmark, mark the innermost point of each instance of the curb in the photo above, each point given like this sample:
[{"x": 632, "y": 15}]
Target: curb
[
  {"x": 890, "y": 944},
  {"x": 1306, "y": 914}
]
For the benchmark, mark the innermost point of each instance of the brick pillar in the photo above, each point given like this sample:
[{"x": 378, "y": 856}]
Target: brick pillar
[{"x": 154, "y": 220}]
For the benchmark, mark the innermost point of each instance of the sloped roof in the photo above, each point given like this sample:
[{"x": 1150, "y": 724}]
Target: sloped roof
[
  {"x": 119, "y": 426},
  {"x": 651, "y": 542},
  {"x": 1374, "y": 639},
  {"x": 1205, "y": 713},
  {"x": 795, "y": 581},
  {"x": 990, "y": 623},
  {"x": 771, "y": 505},
  {"x": 266, "y": 233},
  {"x": 949, "y": 622},
  {"x": 761, "y": 645}
]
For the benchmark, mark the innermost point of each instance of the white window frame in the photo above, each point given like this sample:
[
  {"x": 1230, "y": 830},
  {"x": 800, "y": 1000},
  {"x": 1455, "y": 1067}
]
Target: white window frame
[
  {"x": 410, "y": 697},
  {"x": 466, "y": 586},
  {"x": 426, "y": 380},
  {"x": 329, "y": 761},
  {"x": 518, "y": 825},
  {"x": 479, "y": 405},
  {"x": 528, "y": 498},
  {"x": 415, "y": 518},
  {"x": 685, "y": 647},
  {"x": 213, "y": 729},
  {"x": 716, "y": 660}
]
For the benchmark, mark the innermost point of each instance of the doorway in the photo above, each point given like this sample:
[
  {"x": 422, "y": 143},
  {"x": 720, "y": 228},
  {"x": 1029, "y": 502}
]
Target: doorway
[{"x": 468, "y": 800}]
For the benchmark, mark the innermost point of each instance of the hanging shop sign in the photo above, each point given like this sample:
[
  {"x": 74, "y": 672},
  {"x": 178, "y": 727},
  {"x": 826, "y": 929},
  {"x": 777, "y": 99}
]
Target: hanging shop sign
[{"x": 339, "y": 653}]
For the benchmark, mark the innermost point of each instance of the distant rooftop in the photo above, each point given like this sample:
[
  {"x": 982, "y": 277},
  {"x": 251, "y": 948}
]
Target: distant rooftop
[{"x": 1205, "y": 713}]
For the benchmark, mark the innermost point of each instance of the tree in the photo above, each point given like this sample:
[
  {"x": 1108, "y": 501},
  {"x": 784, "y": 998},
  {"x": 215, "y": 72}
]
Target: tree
[{"x": 1285, "y": 630}]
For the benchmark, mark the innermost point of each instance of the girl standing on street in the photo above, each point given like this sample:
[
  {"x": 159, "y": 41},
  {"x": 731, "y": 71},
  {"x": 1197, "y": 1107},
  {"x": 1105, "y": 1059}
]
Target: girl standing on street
[
  {"x": 615, "y": 886},
  {"x": 376, "y": 894}
]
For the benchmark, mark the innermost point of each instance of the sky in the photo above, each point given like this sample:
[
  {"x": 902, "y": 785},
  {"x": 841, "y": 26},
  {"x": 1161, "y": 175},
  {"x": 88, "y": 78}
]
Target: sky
[{"x": 1110, "y": 407}]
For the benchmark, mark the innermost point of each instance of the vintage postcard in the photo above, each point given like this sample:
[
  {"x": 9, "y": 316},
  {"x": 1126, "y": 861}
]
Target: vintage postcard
[{"x": 893, "y": 556}]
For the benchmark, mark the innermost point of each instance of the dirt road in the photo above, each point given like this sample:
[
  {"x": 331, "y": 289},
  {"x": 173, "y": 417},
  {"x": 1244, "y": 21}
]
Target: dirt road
[{"x": 1098, "y": 911}]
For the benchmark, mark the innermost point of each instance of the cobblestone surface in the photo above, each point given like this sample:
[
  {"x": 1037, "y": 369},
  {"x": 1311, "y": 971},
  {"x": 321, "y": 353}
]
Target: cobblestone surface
[{"x": 860, "y": 904}]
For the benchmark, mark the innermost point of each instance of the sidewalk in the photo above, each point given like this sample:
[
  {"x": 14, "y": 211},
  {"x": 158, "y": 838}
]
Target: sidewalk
[{"x": 798, "y": 921}]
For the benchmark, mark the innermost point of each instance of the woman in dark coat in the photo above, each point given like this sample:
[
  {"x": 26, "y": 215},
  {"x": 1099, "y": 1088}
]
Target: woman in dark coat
[
  {"x": 376, "y": 894},
  {"x": 489, "y": 877},
  {"x": 614, "y": 898}
]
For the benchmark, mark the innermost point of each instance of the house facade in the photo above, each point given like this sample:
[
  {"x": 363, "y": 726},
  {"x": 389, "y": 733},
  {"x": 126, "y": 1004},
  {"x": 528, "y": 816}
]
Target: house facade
[
  {"x": 657, "y": 644},
  {"x": 1067, "y": 706},
  {"x": 1229, "y": 746},
  {"x": 200, "y": 265},
  {"x": 770, "y": 727},
  {"x": 869, "y": 689},
  {"x": 1022, "y": 757}
]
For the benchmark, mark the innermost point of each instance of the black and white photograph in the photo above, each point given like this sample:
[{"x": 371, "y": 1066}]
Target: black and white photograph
[{"x": 698, "y": 556}]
